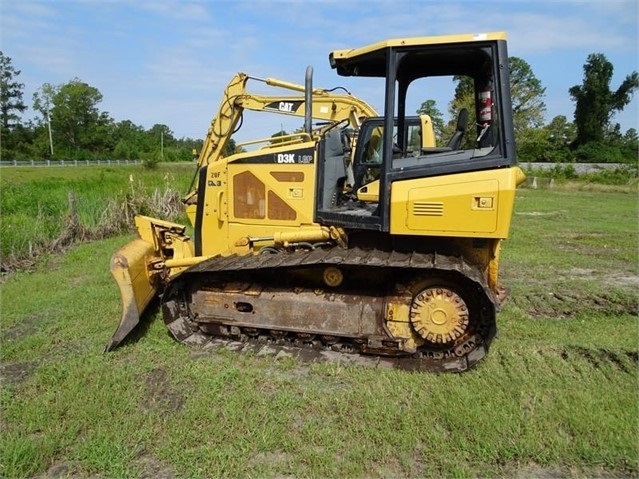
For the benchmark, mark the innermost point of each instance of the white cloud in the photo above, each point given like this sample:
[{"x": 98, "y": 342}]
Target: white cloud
[
  {"x": 538, "y": 33},
  {"x": 174, "y": 9}
]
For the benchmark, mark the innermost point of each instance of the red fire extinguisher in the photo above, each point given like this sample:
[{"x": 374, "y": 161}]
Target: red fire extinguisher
[
  {"x": 485, "y": 106},
  {"x": 485, "y": 111}
]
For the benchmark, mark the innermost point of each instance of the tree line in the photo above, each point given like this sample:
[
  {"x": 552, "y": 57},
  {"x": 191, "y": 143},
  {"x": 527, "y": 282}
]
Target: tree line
[{"x": 70, "y": 124}]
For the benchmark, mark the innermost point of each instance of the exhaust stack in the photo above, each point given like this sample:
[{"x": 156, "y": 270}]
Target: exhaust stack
[{"x": 308, "y": 99}]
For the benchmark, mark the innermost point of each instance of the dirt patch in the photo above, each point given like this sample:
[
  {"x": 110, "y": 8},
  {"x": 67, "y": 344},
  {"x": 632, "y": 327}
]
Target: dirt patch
[
  {"x": 623, "y": 280},
  {"x": 271, "y": 458},
  {"x": 160, "y": 393},
  {"x": 535, "y": 471},
  {"x": 61, "y": 469},
  {"x": 567, "y": 304},
  {"x": 79, "y": 280},
  {"x": 15, "y": 373},
  {"x": 391, "y": 466},
  {"x": 152, "y": 468},
  {"x": 24, "y": 328}
]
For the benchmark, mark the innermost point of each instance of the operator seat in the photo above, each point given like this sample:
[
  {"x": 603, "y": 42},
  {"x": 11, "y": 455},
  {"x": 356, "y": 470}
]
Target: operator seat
[
  {"x": 462, "y": 124},
  {"x": 454, "y": 143}
]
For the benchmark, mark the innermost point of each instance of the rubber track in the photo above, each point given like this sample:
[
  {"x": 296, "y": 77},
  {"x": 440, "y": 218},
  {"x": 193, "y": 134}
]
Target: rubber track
[{"x": 183, "y": 331}]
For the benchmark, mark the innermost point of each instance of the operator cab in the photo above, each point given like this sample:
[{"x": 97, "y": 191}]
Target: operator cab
[{"x": 479, "y": 138}]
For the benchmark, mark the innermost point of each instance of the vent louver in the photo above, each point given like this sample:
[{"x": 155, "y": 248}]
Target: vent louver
[{"x": 428, "y": 209}]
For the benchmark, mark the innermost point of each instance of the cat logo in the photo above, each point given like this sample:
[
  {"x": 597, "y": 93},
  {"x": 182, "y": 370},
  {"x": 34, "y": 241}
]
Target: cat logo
[
  {"x": 286, "y": 106},
  {"x": 286, "y": 157}
]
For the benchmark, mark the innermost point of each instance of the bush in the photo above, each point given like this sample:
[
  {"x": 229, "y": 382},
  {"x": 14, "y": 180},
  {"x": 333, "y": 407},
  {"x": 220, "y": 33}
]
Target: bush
[
  {"x": 151, "y": 162},
  {"x": 596, "y": 152},
  {"x": 625, "y": 175}
]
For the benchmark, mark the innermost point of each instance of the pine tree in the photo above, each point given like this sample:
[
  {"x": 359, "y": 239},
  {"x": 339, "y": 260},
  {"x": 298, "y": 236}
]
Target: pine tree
[
  {"x": 10, "y": 94},
  {"x": 595, "y": 103},
  {"x": 11, "y": 105}
]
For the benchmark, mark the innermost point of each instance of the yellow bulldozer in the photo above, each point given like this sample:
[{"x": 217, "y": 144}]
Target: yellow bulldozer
[{"x": 363, "y": 236}]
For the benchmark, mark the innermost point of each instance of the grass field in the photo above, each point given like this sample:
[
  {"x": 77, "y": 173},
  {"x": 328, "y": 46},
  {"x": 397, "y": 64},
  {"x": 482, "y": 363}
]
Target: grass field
[{"x": 555, "y": 397}]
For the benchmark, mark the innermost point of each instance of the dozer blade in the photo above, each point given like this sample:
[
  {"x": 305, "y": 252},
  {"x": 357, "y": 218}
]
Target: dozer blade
[{"x": 129, "y": 269}]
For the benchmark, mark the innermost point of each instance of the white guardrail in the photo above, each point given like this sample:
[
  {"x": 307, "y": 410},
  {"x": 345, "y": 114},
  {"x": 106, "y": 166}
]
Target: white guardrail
[
  {"x": 580, "y": 168},
  {"x": 56, "y": 163}
]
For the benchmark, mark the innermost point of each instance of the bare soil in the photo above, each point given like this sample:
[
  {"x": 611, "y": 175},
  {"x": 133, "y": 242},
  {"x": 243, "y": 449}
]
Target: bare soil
[
  {"x": 567, "y": 304},
  {"x": 160, "y": 394}
]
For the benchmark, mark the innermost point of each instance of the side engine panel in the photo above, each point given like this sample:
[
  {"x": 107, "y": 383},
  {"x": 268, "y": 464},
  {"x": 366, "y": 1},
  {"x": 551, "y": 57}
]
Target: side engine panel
[
  {"x": 477, "y": 204},
  {"x": 254, "y": 195}
]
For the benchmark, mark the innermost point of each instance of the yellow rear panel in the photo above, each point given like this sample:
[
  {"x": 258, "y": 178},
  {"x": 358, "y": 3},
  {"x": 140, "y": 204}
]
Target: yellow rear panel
[{"x": 477, "y": 204}]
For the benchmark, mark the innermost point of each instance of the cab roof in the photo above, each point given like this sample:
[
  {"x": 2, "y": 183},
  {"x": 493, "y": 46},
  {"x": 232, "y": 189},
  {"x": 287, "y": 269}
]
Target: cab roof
[{"x": 370, "y": 60}]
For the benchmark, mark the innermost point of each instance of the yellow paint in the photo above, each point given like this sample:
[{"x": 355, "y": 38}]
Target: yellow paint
[
  {"x": 428, "y": 132},
  {"x": 398, "y": 323},
  {"x": 369, "y": 192}
]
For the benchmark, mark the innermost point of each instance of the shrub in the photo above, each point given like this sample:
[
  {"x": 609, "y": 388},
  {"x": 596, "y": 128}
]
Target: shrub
[
  {"x": 624, "y": 175},
  {"x": 596, "y": 152},
  {"x": 152, "y": 161}
]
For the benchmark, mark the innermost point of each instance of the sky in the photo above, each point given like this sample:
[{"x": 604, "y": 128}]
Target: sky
[{"x": 168, "y": 61}]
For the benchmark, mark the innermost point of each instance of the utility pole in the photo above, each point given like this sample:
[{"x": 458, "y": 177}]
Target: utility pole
[{"x": 50, "y": 136}]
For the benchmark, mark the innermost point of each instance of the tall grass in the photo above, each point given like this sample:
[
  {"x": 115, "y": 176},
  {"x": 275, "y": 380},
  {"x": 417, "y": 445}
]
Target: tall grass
[{"x": 46, "y": 208}]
